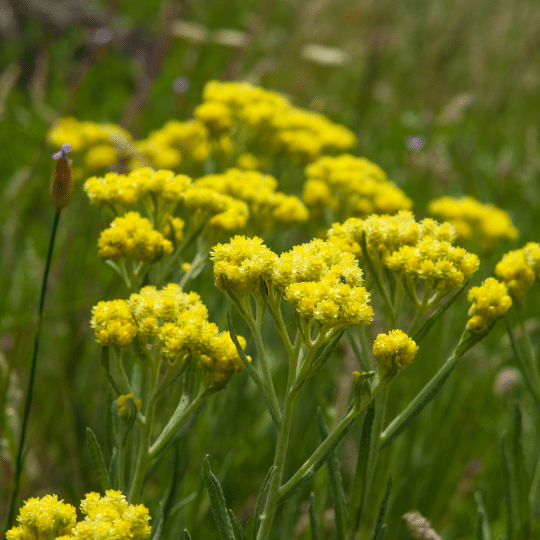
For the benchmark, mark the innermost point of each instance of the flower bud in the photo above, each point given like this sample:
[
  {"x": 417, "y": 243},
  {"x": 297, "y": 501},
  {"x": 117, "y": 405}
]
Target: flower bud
[{"x": 61, "y": 181}]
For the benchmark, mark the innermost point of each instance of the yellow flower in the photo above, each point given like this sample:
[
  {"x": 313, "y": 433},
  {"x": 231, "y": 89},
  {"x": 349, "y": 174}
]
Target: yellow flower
[
  {"x": 43, "y": 519},
  {"x": 113, "y": 323},
  {"x": 489, "y": 224},
  {"x": 133, "y": 237},
  {"x": 397, "y": 343},
  {"x": 490, "y": 301},
  {"x": 101, "y": 156},
  {"x": 515, "y": 272},
  {"x": 240, "y": 264}
]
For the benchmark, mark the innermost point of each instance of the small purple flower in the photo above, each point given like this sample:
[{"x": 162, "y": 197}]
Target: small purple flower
[
  {"x": 63, "y": 152},
  {"x": 416, "y": 143},
  {"x": 180, "y": 85}
]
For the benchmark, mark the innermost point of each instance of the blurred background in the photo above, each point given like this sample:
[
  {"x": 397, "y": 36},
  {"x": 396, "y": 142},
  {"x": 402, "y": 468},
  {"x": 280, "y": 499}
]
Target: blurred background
[{"x": 442, "y": 94}]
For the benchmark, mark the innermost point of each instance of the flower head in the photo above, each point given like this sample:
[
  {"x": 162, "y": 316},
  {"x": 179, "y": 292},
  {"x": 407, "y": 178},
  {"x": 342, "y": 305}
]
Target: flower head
[
  {"x": 490, "y": 301},
  {"x": 113, "y": 323},
  {"x": 133, "y": 237},
  {"x": 514, "y": 270},
  {"x": 397, "y": 343},
  {"x": 43, "y": 519}
]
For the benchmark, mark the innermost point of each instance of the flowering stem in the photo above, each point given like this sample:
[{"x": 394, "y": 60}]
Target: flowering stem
[
  {"x": 144, "y": 443},
  {"x": 30, "y": 391},
  {"x": 420, "y": 310},
  {"x": 529, "y": 354}
]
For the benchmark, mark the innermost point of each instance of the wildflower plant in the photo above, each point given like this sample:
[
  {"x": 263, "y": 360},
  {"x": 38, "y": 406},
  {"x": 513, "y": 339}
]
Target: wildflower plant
[{"x": 198, "y": 194}]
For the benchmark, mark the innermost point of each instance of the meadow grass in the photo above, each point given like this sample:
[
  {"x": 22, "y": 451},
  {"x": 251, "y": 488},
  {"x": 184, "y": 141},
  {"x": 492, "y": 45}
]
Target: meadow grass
[{"x": 460, "y": 77}]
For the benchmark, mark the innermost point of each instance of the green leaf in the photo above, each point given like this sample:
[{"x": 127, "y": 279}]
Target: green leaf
[
  {"x": 336, "y": 481},
  {"x": 426, "y": 327},
  {"x": 181, "y": 505},
  {"x": 379, "y": 531},
  {"x": 251, "y": 370},
  {"x": 186, "y": 535},
  {"x": 157, "y": 524},
  {"x": 97, "y": 459},
  {"x": 317, "y": 465},
  {"x": 217, "y": 502},
  {"x": 483, "y": 528},
  {"x": 253, "y": 525},
  {"x": 238, "y": 530},
  {"x": 355, "y": 503},
  {"x": 314, "y": 526}
]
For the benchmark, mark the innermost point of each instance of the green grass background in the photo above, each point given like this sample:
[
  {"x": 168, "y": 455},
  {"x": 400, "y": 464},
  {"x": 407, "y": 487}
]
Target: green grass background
[{"x": 463, "y": 75}]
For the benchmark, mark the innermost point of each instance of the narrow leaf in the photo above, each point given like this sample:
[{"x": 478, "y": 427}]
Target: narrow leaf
[
  {"x": 336, "y": 481},
  {"x": 97, "y": 460},
  {"x": 157, "y": 525},
  {"x": 181, "y": 505},
  {"x": 238, "y": 530},
  {"x": 217, "y": 502},
  {"x": 253, "y": 525},
  {"x": 314, "y": 526},
  {"x": 186, "y": 535},
  {"x": 483, "y": 528},
  {"x": 379, "y": 531}
]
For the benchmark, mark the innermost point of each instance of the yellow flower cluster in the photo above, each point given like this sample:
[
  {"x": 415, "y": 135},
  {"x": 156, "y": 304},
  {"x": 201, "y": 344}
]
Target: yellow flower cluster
[
  {"x": 107, "y": 517},
  {"x": 352, "y": 186},
  {"x": 397, "y": 343},
  {"x": 178, "y": 320},
  {"x": 386, "y": 234},
  {"x": 174, "y": 143},
  {"x": 322, "y": 283},
  {"x": 123, "y": 400},
  {"x": 489, "y": 224},
  {"x": 102, "y": 143},
  {"x": 224, "y": 214},
  {"x": 519, "y": 268},
  {"x": 132, "y": 237},
  {"x": 113, "y": 323},
  {"x": 435, "y": 261},
  {"x": 269, "y": 122},
  {"x": 112, "y": 516},
  {"x": 420, "y": 250},
  {"x": 268, "y": 207},
  {"x": 490, "y": 301},
  {"x": 43, "y": 519},
  {"x": 125, "y": 190},
  {"x": 240, "y": 264}
]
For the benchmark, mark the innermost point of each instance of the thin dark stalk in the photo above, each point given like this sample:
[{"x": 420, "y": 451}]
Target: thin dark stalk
[{"x": 29, "y": 393}]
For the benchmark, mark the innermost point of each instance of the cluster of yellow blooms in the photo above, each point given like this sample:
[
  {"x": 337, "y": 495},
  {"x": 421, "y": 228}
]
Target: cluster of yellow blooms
[
  {"x": 419, "y": 250},
  {"x": 519, "y": 268},
  {"x": 132, "y": 237},
  {"x": 490, "y": 301},
  {"x": 397, "y": 343},
  {"x": 175, "y": 319},
  {"x": 123, "y": 191},
  {"x": 351, "y": 186},
  {"x": 489, "y": 224},
  {"x": 267, "y": 123},
  {"x": 103, "y": 143},
  {"x": 321, "y": 282},
  {"x": 107, "y": 517},
  {"x": 268, "y": 207}
]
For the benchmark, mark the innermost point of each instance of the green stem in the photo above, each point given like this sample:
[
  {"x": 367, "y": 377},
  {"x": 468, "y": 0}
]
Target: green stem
[
  {"x": 180, "y": 415},
  {"x": 420, "y": 310},
  {"x": 144, "y": 442},
  {"x": 281, "y": 453},
  {"x": 422, "y": 398},
  {"x": 30, "y": 391},
  {"x": 529, "y": 354},
  {"x": 344, "y": 422}
]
